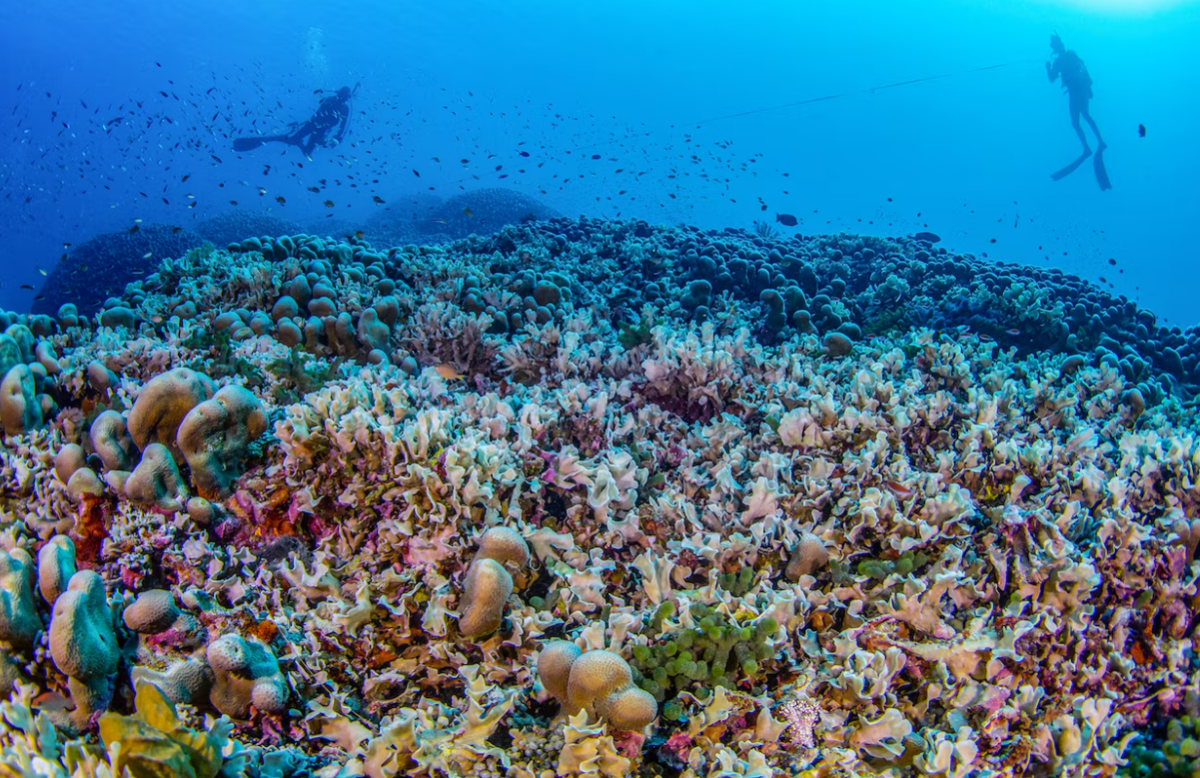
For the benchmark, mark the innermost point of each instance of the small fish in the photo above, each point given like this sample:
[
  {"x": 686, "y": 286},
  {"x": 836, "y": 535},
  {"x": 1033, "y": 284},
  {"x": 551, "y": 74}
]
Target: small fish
[
  {"x": 329, "y": 203},
  {"x": 281, "y": 200},
  {"x": 43, "y": 272},
  {"x": 360, "y": 234},
  {"x": 1141, "y": 130},
  {"x": 468, "y": 212},
  {"x": 27, "y": 286},
  {"x": 147, "y": 255},
  {"x": 448, "y": 372},
  {"x": 786, "y": 219},
  {"x": 595, "y": 156},
  {"x": 523, "y": 153},
  {"x": 928, "y": 237},
  {"x": 176, "y": 230},
  {"x": 377, "y": 199}
]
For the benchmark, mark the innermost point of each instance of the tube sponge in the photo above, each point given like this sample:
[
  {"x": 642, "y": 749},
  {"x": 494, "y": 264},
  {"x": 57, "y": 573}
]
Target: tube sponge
[
  {"x": 215, "y": 436},
  {"x": 162, "y": 404},
  {"x": 245, "y": 672},
  {"x": 600, "y": 682},
  {"x": 19, "y": 622}
]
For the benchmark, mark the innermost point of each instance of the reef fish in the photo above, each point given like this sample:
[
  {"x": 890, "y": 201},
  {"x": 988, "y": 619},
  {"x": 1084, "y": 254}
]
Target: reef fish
[
  {"x": 786, "y": 219},
  {"x": 928, "y": 237}
]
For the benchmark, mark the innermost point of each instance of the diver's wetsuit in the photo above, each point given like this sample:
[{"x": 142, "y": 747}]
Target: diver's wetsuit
[
  {"x": 333, "y": 112},
  {"x": 1078, "y": 85}
]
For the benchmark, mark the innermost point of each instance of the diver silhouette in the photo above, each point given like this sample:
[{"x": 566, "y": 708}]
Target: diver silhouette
[
  {"x": 1077, "y": 83},
  {"x": 333, "y": 113}
]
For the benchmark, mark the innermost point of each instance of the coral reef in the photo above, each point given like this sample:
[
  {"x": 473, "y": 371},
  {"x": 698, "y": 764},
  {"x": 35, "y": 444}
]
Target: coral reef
[{"x": 599, "y": 498}]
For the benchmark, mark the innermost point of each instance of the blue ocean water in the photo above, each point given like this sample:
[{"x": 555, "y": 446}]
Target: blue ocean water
[{"x": 703, "y": 113}]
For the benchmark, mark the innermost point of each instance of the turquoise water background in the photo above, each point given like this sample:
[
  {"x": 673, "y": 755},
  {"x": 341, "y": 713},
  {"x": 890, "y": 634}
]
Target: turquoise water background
[{"x": 644, "y": 85}]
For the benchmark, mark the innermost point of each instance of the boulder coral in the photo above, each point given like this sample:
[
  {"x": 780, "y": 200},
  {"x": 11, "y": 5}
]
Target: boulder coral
[
  {"x": 152, "y": 612},
  {"x": 162, "y": 405},
  {"x": 20, "y": 409},
  {"x": 245, "y": 673},
  {"x": 488, "y": 584},
  {"x": 599, "y": 681},
  {"x": 19, "y": 620},
  {"x": 215, "y": 435},
  {"x": 83, "y": 645},
  {"x": 156, "y": 482},
  {"x": 112, "y": 443},
  {"x": 55, "y": 567}
]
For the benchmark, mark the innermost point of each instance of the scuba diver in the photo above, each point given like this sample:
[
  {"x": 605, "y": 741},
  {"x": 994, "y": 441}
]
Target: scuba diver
[
  {"x": 334, "y": 112},
  {"x": 1077, "y": 83}
]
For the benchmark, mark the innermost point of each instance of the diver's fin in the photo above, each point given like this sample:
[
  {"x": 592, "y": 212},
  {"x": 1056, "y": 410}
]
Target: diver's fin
[
  {"x": 1071, "y": 168},
  {"x": 250, "y": 144},
  {"x": 1101, "y": 172}
]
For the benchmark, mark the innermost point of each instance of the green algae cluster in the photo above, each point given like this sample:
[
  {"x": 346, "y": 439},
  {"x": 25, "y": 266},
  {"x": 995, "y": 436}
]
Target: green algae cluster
[
  {"x": 717, "y": 652},
  {"x": 1174, "y": 753}
]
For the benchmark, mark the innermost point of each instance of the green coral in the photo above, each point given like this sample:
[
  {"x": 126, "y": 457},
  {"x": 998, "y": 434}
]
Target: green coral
[
  {"x": 882, "y": 568},
  {"x": 300, "y": 374},
  {"x": 738, "y": 584},
  {"x": 219, "y": 361},
  {"x": 717, "y": 652},
  {"x": 1174, "y": 752}
]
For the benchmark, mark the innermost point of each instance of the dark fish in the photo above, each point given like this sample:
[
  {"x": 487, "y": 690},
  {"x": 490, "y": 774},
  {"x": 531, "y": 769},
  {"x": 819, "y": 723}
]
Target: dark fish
[
  {"x": 135, "y": 228},
  {"x": 280, "y": 200},
  {"x": 595, "y": 156},
  {"x": 523, "y": 153},
  {"x": 1112, "y": 261},
  {"x": 786, "y": 219},
  {"x": 329, "y": 203},
  {"x": 1141, "y": 130},
  {"x": 928, "y": 237},
  {"x": 27, "y": 286}
]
